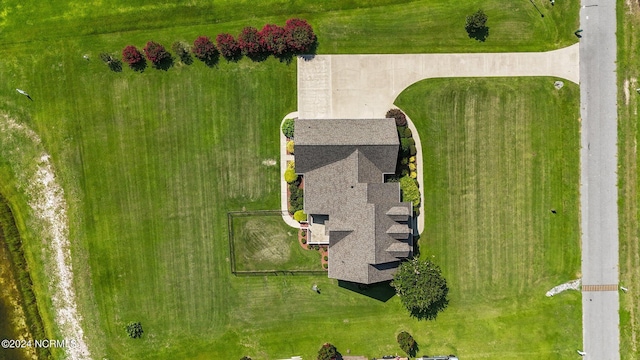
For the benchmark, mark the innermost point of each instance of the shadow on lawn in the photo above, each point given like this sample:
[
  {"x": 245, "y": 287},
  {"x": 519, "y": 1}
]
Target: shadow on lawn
[{"x": 380, "y": 291}]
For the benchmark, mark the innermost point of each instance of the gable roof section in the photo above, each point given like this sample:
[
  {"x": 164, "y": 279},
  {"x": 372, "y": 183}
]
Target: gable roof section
[{"x": 321, "y": 142}]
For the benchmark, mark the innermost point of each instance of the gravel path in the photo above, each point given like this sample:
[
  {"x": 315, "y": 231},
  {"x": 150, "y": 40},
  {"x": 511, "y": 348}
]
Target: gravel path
[{"x": 49, "y": 209}]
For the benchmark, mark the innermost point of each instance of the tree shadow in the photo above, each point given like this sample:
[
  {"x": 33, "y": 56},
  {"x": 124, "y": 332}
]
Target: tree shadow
[
  {"x": 260, "y": 56},
  {"x": 415, "y": 350},
  {"x": 164, "y": 64},
  {"x": 186, "y": 59},
  {"x": 139, "y": 66},
  {"x": 479, "y": 34},
  {"x": 380, "y": 291},
  {"x": 115, "y": 65},
  {"x": 416, "y": 245}
]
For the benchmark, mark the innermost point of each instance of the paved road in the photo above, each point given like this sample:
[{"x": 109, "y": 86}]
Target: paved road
[{"x": 598, "y": 191}]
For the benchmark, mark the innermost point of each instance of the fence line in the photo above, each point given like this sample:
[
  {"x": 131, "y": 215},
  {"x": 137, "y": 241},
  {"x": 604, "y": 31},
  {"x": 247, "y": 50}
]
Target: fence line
[{"x": 234, "y": 271}]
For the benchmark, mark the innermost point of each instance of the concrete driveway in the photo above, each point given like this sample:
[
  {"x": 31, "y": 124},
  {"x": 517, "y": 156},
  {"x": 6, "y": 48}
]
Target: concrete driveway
[{"x": 365, "y": 86}]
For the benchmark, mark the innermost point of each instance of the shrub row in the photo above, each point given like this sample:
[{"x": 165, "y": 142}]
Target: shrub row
[{"x": 295, "y": 38}]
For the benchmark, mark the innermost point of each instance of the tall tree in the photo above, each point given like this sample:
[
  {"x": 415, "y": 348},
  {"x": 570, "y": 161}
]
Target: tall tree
[{"x": 422, "y": 289}]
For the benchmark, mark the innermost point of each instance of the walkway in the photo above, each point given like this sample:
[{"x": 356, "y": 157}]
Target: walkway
[
  {"x": 288, "y": 219},
  {"x": 598, "y": 191},
  {"x": 365, "y": 86}
]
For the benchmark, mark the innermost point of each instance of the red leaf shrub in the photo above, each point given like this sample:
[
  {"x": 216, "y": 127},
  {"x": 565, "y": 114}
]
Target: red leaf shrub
[
  {"x": 299, "y": 36},
  {"x": 132, "y": 56},
  {"x": 205, "y": 50},
  {"x": 155, "y": 52},
  {"x": 272, "y": 38},
  {"x": 228, "y": 46},
  {"x": 249, "y": 42}
]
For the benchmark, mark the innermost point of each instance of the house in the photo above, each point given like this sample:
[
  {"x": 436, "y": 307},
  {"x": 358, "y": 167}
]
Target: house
[{"x": 349, "y": 206}]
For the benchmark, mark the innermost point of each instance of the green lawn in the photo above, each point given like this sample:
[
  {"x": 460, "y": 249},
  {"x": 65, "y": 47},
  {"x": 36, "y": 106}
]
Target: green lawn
[
  {"x": 151, "y": 163},
  {"x": 628, "y": 45},
  {"x": 499, "y": 154},
  {"x": 263, "y": 242},
  {"x": 344, "y": 26}
]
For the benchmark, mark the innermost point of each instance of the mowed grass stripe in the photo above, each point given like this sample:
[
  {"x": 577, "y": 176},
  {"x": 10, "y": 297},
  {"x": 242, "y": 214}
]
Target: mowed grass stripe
[{"x": 489, "y": 219}]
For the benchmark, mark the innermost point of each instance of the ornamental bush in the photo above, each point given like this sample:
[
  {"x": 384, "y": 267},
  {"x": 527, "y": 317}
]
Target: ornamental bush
[
  {"x": 134, "y": 330},
  {"x": 249, "y": 43},
  {"x": 407, "y": 343},
  {"x": 299, "y": 216},
  {"x": 299, "y": 36},
  {"x": 290, "y": 176},
  {"x": 407, "y": 133},
  {"x": 228, "y": 47},
  {"x": 290, "y": 146},
  {"x": 412, "y": 166},
  {"x": 288, "y": 126},
  {"x": 398, "y": 115},
  {"x": 182, "y": 51},
  {"x": 205, "y": 50},
  {"x": 410, "y": 191},
  {"x": 272, "y": 38},
  {"x": 328, "y": 352},
  {"x": 156, "y": 53},
  {"x": 133, "y": 57}
]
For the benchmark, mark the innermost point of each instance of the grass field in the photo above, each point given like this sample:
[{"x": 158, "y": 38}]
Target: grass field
[
  {"x": 628, "y": 45},
  {"x": 344, "y": 26},
  {"x": 151, "y": 163},
  {"x": 264, "y": 242}
]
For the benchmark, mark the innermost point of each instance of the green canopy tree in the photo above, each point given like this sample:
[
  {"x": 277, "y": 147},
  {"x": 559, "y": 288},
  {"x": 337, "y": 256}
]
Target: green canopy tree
[{"x": 422, "y": 289}]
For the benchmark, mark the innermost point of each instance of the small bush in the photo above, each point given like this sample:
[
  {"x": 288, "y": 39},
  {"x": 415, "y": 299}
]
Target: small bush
[
  {"x": 326, "y": 258},
  {"x": 410, "y": 191},
  {"x": 290, "y": 146},
  {"x": 205, "y": 50},
  {"x": 407, "y": 343},
  {"x": 156, "y": 53},
  {"x": 327, "y": 352},
  {"x": 228, "y": 47},
  {"x": 133, "y": 57},
  {"x": 134, "y": 330},
  {"x": 182, "y": 51},
  {"x": 287, "y": 128},
  {"x": 476, "y": 26},
  {"x": 304, "y": 241},
  {"x": 412, "y": 159},
  {"x": 398, "y": 115},
  {"x": 272, "y": 39},
  {"x": 404, "y": 161},
  {"x": 413, "y": 175},
  {"x": 407, "y": 133},
  {"x": 249, "y": 43},
  {"x": 291, "y": 165},
  {"x": 412, "y": 150},
  {"x": 290, "y": 176},
  {"x": 326, "y": 266},
  {"x": 300, "y": 216},
  {"x": 412, "y": 166},
  {"x": 300, "y": 36}
]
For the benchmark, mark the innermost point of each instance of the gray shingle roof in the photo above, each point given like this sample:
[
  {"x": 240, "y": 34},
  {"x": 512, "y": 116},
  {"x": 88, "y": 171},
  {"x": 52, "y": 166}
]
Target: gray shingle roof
[{"x": 343, "y": 162}]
